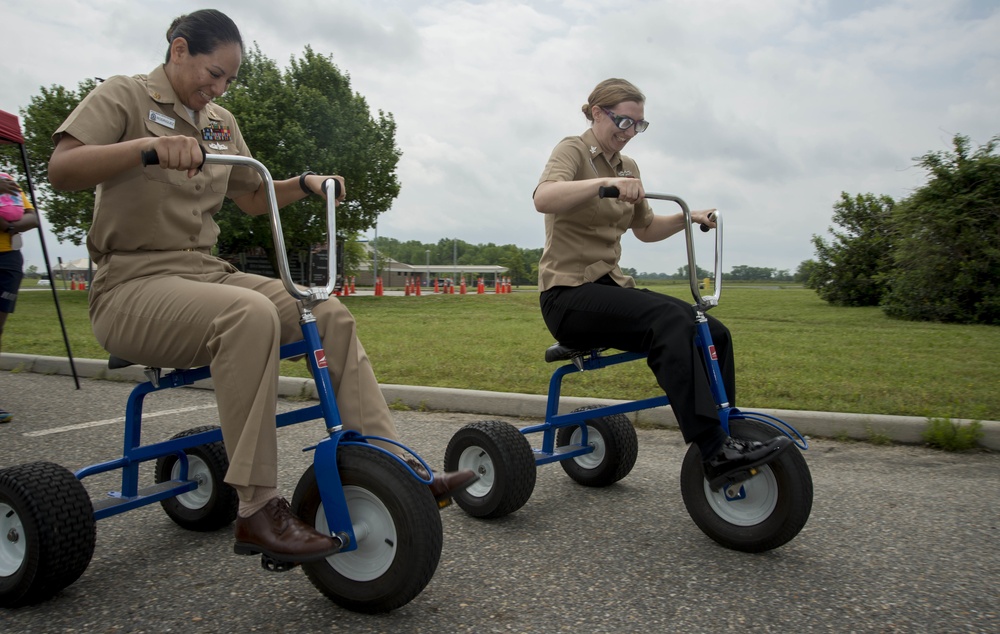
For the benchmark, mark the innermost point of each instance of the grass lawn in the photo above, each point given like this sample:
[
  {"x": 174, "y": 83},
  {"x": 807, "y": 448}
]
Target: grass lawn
[{"x": 793, "y": 351}]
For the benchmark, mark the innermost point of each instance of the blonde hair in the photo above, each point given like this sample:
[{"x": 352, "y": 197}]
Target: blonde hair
[{"x": 611, "y": 92}]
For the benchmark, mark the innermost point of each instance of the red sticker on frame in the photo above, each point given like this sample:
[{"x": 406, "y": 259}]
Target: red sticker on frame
[{"x": 320, "y": 358}]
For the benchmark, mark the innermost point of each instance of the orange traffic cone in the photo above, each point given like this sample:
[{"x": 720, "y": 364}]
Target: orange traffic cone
[
  {"x": 416, "y": 286},
  {"x": 378, "y": 287},
  {"x": 461, "y": 289}
]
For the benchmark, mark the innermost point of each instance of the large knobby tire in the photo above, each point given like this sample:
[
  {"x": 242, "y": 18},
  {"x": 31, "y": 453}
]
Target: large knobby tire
[
  {"x": 47, "y": 532},
  {"x": 397, "y": 525},
  {"x": 615, "y": 444},
  {"x": 504, "y": 461},
  {"x": 214, "y": 504},
  {"x": 771, "y": 508}
]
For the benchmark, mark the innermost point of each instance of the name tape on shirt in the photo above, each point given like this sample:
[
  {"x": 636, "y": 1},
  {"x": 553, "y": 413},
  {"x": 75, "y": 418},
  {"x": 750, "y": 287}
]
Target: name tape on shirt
[{"x": 162, "y": 119}]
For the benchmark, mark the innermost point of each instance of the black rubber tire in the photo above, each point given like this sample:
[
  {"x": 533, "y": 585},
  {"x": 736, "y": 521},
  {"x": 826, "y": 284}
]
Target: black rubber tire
[
  {"x": 504, "y": 461},
  {"x": 401, "y": 547},
  {"x": 213, "y": 505},
  {"x": 47, "y": 530},
  {"x": 616, "y": 448},
  {"x": 777, "y": 503}
]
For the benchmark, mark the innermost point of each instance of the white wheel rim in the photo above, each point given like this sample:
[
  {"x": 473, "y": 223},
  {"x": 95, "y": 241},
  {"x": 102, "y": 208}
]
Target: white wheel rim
[
  {"x": 758, "y": 503},
  {"x": 12, "y": 541},
  {"x": 478, "y": 460},
  {"x": 593, "y": 459},
  {"x": 375, "y": 531},
  {"x": 199, "y": 472}
]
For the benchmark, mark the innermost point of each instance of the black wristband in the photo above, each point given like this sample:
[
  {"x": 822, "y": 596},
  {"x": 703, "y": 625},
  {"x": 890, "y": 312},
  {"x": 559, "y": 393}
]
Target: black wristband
[{"x": 302, "y": 182}]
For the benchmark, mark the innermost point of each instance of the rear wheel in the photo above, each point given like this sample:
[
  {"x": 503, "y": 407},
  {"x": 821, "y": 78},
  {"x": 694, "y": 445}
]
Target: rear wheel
[
  {"x": 213, "y": 505},
  {"x": 765, "y": 512},
  {"x": 397, "y": 526},
  {"x": 615, "y": 445},
  {"x": 47, "y": 532},
  {"x": 502, "y": 458}
]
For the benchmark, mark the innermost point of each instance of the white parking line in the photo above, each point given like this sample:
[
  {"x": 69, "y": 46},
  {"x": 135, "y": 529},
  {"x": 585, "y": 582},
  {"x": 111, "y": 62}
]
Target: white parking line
[{"x": 111, "y": 421}]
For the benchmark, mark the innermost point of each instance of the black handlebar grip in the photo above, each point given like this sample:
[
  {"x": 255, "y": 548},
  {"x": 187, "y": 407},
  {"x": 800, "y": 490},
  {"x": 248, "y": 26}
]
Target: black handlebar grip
[
  {"x": 336, "y": 187},
  {"x": 150, "y": 157},
  {"x": 608, "y": 192},
  {"x": 706, "y": 228}
]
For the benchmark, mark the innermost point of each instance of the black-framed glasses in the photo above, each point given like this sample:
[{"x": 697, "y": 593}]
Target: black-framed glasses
[{"x": 624, "y": 123}]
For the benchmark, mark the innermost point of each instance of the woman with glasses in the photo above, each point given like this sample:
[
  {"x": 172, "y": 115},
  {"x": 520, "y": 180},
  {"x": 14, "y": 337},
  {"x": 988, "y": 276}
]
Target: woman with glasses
[{"x": 586, "y": 300}]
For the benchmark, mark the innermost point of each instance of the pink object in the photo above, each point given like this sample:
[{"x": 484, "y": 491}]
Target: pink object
[{"x": 11, "y": 205}]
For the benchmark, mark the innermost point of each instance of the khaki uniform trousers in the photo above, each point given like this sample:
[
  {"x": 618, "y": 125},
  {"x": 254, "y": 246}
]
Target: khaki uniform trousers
[{"x": 184, "y": 309}]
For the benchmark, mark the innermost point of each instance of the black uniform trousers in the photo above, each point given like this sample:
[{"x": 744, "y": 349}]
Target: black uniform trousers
[{"x": 603, "y": 314}]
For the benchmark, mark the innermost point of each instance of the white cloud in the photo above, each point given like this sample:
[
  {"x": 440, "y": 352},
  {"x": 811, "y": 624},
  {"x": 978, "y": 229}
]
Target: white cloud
[{"x": 767, "y": 109}]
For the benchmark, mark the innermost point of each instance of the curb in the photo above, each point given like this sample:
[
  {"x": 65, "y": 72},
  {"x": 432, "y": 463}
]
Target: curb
[{"x": 901, "y": 429}]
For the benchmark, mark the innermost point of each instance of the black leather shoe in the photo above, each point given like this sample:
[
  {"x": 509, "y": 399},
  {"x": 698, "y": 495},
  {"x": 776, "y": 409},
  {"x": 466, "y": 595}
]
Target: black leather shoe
[
  {"x": 275, "y": 532},
  {"x": 739, "y": 459},
  {"x": 444, "y": 485}
]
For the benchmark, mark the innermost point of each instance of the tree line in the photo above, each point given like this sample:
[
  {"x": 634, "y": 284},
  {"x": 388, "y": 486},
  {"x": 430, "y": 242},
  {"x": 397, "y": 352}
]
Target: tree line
[{"x": 932, "y": 256}]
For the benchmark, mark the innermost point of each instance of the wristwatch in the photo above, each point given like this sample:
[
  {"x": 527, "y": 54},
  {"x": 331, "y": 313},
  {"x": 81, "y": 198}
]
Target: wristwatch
[{"x": 302, "y": 182}]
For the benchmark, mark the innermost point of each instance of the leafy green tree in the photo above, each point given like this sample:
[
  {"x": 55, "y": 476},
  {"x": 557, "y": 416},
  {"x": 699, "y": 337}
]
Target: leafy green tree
[
  {"x": 947, "y": 255},
  {"x": 308, "y": 118},
  {"x": 850, "y": 270},
  {"x": 752, "y": 273},
  {"x": 68, "y": 213},
  {"x": 805, "y": 271},
  {"x": 682, "y": 273}
]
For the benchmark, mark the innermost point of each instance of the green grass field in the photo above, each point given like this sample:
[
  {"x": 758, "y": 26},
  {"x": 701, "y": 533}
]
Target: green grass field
[{"x": 793, "y": 351}]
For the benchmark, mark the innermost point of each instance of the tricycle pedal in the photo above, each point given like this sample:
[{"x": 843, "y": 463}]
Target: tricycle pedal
[
  {"x": 733, "y": 480},
  {"x": 273, "y": 565}
]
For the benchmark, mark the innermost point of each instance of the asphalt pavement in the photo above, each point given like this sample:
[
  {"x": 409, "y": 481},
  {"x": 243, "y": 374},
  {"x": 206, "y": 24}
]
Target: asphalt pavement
[{"x": 900, "y": 539}]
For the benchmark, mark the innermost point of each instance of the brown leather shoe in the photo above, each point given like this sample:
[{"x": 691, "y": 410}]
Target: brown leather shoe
[
  {"x": 277, "y": 533},
  {"x": 445, "y": 484}
]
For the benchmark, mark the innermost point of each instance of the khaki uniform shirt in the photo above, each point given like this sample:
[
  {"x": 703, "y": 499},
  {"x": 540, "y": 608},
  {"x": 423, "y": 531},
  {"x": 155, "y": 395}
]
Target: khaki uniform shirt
[
  {"x": 584, "y": 245},
  {"x": 148, "y": 208}
]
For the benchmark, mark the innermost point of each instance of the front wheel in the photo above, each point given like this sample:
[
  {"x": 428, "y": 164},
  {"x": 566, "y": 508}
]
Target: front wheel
[
  {"x": 615, "y": 449},
  {"x": 47, "y": 532},
  {"x": 766, "y": 512},
  {"x": 397, "y": 525},
  {"x": 502, "y": 458},
  {"x": 213, "y": 505}
]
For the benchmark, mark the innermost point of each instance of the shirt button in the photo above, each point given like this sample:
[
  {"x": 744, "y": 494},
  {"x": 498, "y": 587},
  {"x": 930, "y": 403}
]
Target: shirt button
[
  {"x": 192, "y": 238},
  {"x": 197, "y": 188}
]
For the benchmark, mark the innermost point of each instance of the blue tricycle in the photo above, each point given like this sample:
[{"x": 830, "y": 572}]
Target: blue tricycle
[
  {"x": 598, "y": 446},
  {"x": 378, "y": 507}
]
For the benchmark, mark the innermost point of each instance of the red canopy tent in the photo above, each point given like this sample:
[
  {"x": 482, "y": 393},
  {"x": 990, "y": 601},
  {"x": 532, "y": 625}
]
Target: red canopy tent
[{"x": 10, "y": 132}]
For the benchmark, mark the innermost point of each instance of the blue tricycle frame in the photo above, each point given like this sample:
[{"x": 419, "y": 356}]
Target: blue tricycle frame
[
  {"x": 48, "y": 520},
  {"x": 598, "y": 446}
]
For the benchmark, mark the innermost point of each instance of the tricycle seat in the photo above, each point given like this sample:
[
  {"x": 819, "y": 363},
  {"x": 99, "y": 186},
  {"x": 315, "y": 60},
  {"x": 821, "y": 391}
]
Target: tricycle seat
[{"x": 560, "y": 352}]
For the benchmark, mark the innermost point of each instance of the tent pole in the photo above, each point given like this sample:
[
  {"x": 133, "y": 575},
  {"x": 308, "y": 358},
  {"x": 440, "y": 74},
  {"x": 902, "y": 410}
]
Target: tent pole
[{"x": 48, "y": 268}]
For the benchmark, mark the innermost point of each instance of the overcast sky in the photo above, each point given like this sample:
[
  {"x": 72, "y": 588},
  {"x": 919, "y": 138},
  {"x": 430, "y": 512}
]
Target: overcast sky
[{"x": 765, "y": 109}]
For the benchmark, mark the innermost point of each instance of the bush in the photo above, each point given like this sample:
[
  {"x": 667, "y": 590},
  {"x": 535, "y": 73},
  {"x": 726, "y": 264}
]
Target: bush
[
  {"x": 945, "y": 434},
  {"x": 946, "y": 260}
]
